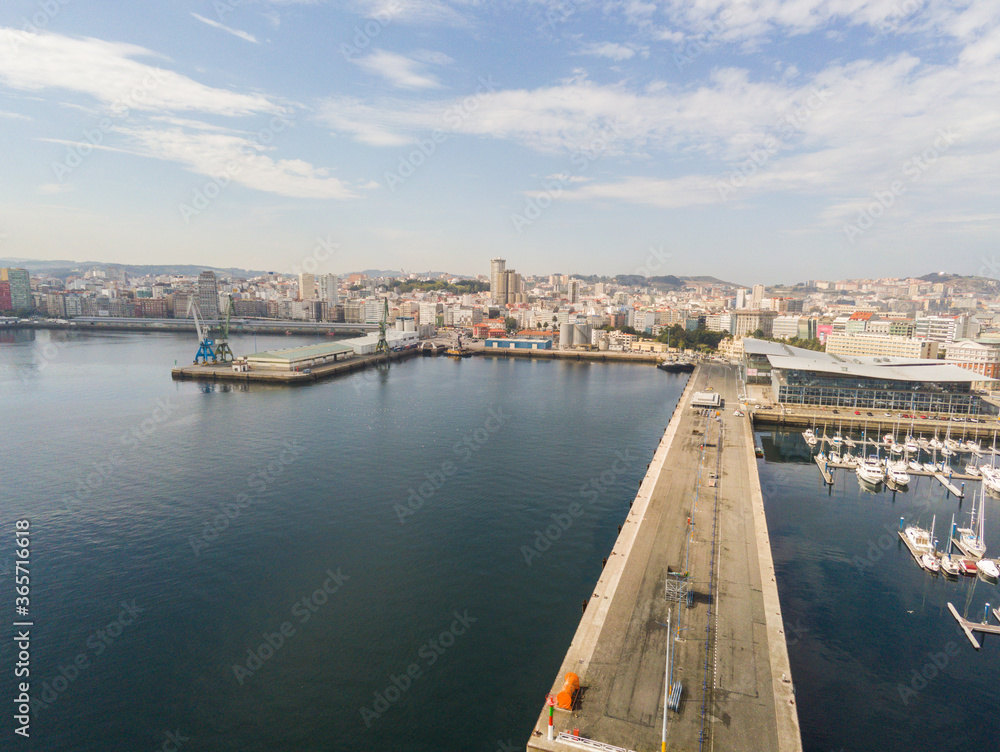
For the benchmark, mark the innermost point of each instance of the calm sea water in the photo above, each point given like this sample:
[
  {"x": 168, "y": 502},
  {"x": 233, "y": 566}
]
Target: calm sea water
[
  {"x": 878, "y": 661},
  {"x": 242, "y": 568}
]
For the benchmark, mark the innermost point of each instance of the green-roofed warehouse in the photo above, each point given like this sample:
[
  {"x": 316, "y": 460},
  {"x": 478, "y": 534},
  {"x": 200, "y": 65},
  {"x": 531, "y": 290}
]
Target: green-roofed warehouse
[{"x": 299, "y": 358}]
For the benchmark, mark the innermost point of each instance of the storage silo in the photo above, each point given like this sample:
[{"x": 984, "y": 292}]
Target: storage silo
[{"x": 565, "y": 335}]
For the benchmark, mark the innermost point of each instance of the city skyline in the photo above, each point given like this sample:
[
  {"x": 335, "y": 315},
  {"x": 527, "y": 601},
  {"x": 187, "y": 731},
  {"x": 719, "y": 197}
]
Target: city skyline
[{"x": 804, "y": 140}]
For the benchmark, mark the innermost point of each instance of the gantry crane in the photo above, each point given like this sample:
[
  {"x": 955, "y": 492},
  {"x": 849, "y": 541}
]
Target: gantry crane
[
  {"x": 205, "y": 351},
  {"x": 223, "y": 353}
]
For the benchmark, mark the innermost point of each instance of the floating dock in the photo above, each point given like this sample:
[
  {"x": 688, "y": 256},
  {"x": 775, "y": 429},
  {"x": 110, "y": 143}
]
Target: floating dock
[
  {"x": 951, "y": 486},
  {"x": 824, "y": 471},
  {"x": 969, "y": 627}
]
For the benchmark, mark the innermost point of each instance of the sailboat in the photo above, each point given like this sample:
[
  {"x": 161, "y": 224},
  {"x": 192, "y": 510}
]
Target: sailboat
[
  {"x": 970, "y": 539},
  {"x": 949, "y": 566}
]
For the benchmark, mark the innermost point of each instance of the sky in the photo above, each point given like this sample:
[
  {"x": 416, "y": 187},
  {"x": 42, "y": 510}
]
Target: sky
[{"x": 759, "y": 140}]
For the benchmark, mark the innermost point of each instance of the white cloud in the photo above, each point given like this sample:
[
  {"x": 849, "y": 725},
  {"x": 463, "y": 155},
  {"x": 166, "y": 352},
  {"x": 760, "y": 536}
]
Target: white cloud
[
  {"x": 49, "y": 189},
  {"x": 108, "y": 72},
  {"x": 247, "y": 36},
  {"x": 399, "y": 70},
  {"x": 241, "y": 159},
  {"x": 609, "y": 50},
  {"x": 419, "y": 12}
]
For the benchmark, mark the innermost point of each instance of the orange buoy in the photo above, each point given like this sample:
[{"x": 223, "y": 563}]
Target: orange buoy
[{"x": 564, "y": 700}]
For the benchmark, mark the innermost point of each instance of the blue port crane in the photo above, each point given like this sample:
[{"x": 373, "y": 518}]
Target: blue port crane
[{"x": 205, "y": 343}]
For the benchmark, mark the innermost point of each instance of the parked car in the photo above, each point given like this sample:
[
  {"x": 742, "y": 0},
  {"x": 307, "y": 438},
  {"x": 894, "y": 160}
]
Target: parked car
[{"x": 857, "y": 412}]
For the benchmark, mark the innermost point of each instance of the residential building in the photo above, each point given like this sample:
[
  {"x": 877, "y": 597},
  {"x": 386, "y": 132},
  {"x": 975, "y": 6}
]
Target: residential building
[
  {"x": 982, "y": 357},
  {"x": 945, "y": 328},
  {"x": 208, "y": 295},
  {"x": 307, "y": 286},
  {"x": 326, "y": 288},
  {"x": 498, "y": 280},
  {"x": 749, "y": 321},
  {"x": 872, "y": 345},
  {"x": 5, "y": 302},
  {"x": 20, "y": 287}
]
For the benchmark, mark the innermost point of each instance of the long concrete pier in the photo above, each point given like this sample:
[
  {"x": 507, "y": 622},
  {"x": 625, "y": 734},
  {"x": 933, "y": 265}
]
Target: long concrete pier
[
  {"x": 225, "y": 372},
  {"x": 699, "y": 511}
]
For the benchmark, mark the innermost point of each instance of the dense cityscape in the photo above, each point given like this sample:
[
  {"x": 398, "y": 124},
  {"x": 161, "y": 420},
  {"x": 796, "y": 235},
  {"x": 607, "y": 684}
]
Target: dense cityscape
[{"x": 942, "y": 316}]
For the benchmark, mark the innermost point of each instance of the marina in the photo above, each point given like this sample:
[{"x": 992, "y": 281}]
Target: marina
[{"x": 851, "y": 587}]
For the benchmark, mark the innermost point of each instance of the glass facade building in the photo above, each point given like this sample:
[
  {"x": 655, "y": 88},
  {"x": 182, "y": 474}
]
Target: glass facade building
[
  {"x": 804, "y": 377},
  {"x": 804, "y": 387}
]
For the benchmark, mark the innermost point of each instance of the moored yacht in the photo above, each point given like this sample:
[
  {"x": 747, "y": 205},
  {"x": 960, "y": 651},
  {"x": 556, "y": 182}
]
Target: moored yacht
[
  {"x": 897, "y": 475},
  {"x": 969, "y": 540},
  {"x": 930, "y": 563},
  {"x": 870, "y": 470},
  {"x": 918, "y": 540},
  {"x": 988, "y": 569},
  {"x": 949, "y": 566}
]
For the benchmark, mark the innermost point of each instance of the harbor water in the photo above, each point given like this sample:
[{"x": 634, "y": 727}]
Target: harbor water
[
  {"x": 878, "y": 661},
  {"x": 388, "y": 560}
]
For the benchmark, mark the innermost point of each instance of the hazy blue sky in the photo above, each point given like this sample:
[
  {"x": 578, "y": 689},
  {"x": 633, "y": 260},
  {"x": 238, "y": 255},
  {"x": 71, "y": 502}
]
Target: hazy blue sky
[{"x": 758, "y": 140}]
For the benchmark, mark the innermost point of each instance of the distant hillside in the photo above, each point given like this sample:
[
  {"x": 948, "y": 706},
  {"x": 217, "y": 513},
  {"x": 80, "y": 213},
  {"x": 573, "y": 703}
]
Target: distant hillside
[
  {"x": 62, "y": 268},
  {"x": 710, "y": 281}
]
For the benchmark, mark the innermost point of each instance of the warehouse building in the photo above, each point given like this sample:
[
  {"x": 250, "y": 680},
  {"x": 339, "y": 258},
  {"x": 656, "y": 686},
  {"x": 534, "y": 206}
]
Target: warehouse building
[
  {"x": 300, "y": 358},
  {"x": 519, "y": 344}
]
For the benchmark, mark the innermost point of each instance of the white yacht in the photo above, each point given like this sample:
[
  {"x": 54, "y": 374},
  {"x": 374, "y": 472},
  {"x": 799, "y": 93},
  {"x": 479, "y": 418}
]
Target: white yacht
[
  {"x": 910, "y": 446},
  {"x": 918, "y": 540},
  {"x": 809, "y": 436},
  {"x": 915, "y": 466},
  {"x": 988, "y": 569},
  {"x": 930, "y": 563},
  {"x": 870, "y": 470},
  {"x": 896, "y": 474}
]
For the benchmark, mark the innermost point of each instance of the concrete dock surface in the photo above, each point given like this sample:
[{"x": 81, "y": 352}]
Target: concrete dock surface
[{"x": 729, "y": 648}]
